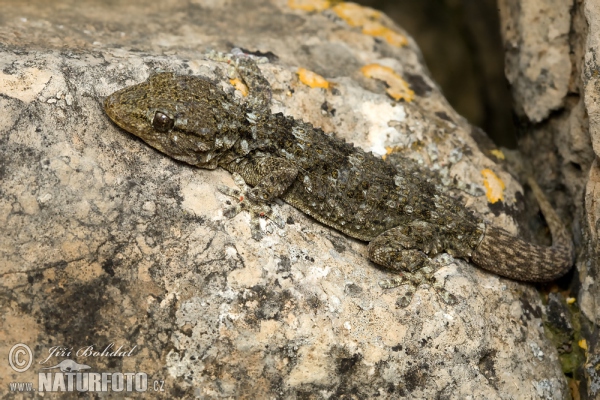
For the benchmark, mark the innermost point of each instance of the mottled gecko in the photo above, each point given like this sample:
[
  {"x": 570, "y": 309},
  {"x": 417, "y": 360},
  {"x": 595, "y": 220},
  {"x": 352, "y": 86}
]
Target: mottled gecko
[{"x": 402, "y": 216}]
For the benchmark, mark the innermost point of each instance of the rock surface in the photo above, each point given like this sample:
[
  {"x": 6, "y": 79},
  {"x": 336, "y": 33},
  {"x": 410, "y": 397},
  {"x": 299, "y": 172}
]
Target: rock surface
[
  {"x": 563, "y": 145},
  {"x": 108, "y": 241},
  {"x": 538, "y": 65}
]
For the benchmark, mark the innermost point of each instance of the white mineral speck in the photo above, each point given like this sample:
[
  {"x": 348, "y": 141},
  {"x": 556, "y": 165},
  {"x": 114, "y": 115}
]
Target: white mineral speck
[{"x": 44, "y": 198}]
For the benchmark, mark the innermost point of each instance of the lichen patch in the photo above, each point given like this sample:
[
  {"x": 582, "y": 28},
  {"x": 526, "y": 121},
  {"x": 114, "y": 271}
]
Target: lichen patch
[
  {"x": 398, "y": 89},
  {"x": 494, "y": 186},
  {"x": 312, "y": 79},
  {"x": 369, "y": 20},
  {"x": 309, "y": 5}
]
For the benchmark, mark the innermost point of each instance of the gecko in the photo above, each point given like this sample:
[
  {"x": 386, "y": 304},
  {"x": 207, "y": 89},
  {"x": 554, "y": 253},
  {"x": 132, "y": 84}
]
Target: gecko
[{"x": 405, "y": 218}]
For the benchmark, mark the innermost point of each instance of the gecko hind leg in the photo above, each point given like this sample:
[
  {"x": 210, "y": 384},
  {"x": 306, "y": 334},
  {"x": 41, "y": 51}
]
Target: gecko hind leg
[
  {"x": 257, "y": 210},
  {"x": 409, "y": 282},
  {"x": 407, "y": 249}
]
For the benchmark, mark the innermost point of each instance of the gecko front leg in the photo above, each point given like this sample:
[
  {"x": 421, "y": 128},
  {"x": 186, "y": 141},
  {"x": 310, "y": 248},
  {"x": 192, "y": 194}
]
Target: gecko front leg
[
  {"x": 270, "y": 177},
  {"x": 245, "y": 203}
]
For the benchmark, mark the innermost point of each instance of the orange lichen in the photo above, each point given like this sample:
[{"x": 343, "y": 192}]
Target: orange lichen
[
  {"x": 397, "y": 89},
  {"x": 494, "y": 185},
  {"x": 309, "y": 5},
  {"x": 312, "y": 79},
  {"x": 498, "y": 154},
  {"x": 583, "y": 344},
  {"x": 388, "y": 150},
  {"x": 356, "y": 15},
  {"x": 368, "y": 19},
  {"x": 239, "y": 85},
  {"x": 390, "y": 36}
]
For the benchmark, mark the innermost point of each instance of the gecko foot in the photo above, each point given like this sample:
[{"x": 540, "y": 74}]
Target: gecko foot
[
  {"x": 406, "y": 290},
  {"x": 410, "y": 281},
  {"x": 257, "y": 210}
]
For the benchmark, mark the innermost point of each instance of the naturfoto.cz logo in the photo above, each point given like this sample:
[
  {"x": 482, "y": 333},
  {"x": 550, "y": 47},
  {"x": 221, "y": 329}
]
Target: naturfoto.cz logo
[
  {"x": 20, "y": 357},
  {"x": 71, "y": 376}
]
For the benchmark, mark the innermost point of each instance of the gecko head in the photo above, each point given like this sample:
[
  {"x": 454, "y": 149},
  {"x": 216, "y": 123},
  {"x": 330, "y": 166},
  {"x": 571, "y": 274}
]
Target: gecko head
[{"x": 186, "y": 117}]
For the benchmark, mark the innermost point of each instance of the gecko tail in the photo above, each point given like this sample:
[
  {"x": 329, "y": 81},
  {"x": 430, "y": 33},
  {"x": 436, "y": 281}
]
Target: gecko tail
[
  {"x": 509, "y": 256},
  {"x": 506, "y": 255}
]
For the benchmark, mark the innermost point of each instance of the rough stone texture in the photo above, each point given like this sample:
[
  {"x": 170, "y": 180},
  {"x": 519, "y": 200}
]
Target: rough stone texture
[
  {"x": 462, "y": 38},
  {"x": 538, "y": 67},
  {"x": 107, "y": 241},
  {"x": 563, "y": 146},
  {"x": 590, "y": 265}
]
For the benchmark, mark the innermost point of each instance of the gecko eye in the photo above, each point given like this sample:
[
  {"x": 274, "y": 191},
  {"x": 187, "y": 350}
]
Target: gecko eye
[{"x": 162, "y": 122}]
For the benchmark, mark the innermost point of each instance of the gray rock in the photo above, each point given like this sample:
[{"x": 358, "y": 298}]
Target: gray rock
[
  {"x": 107, "y": 241},
  {"x": 538, "y": 66},
  {"x": 563, "y": 149}
]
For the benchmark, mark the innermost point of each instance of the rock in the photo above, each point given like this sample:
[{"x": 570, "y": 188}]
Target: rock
[
  {"x": 563, "y": 147},
  {"x": 107, "y": 241},
  {"x": 538, "y": 66}
]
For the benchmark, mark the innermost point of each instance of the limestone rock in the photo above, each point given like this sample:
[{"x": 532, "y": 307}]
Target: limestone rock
[
  {"x": 105, "y": 240},
  {"x": 538, "y": 66},
  {"x": 563, "y": 146}
]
